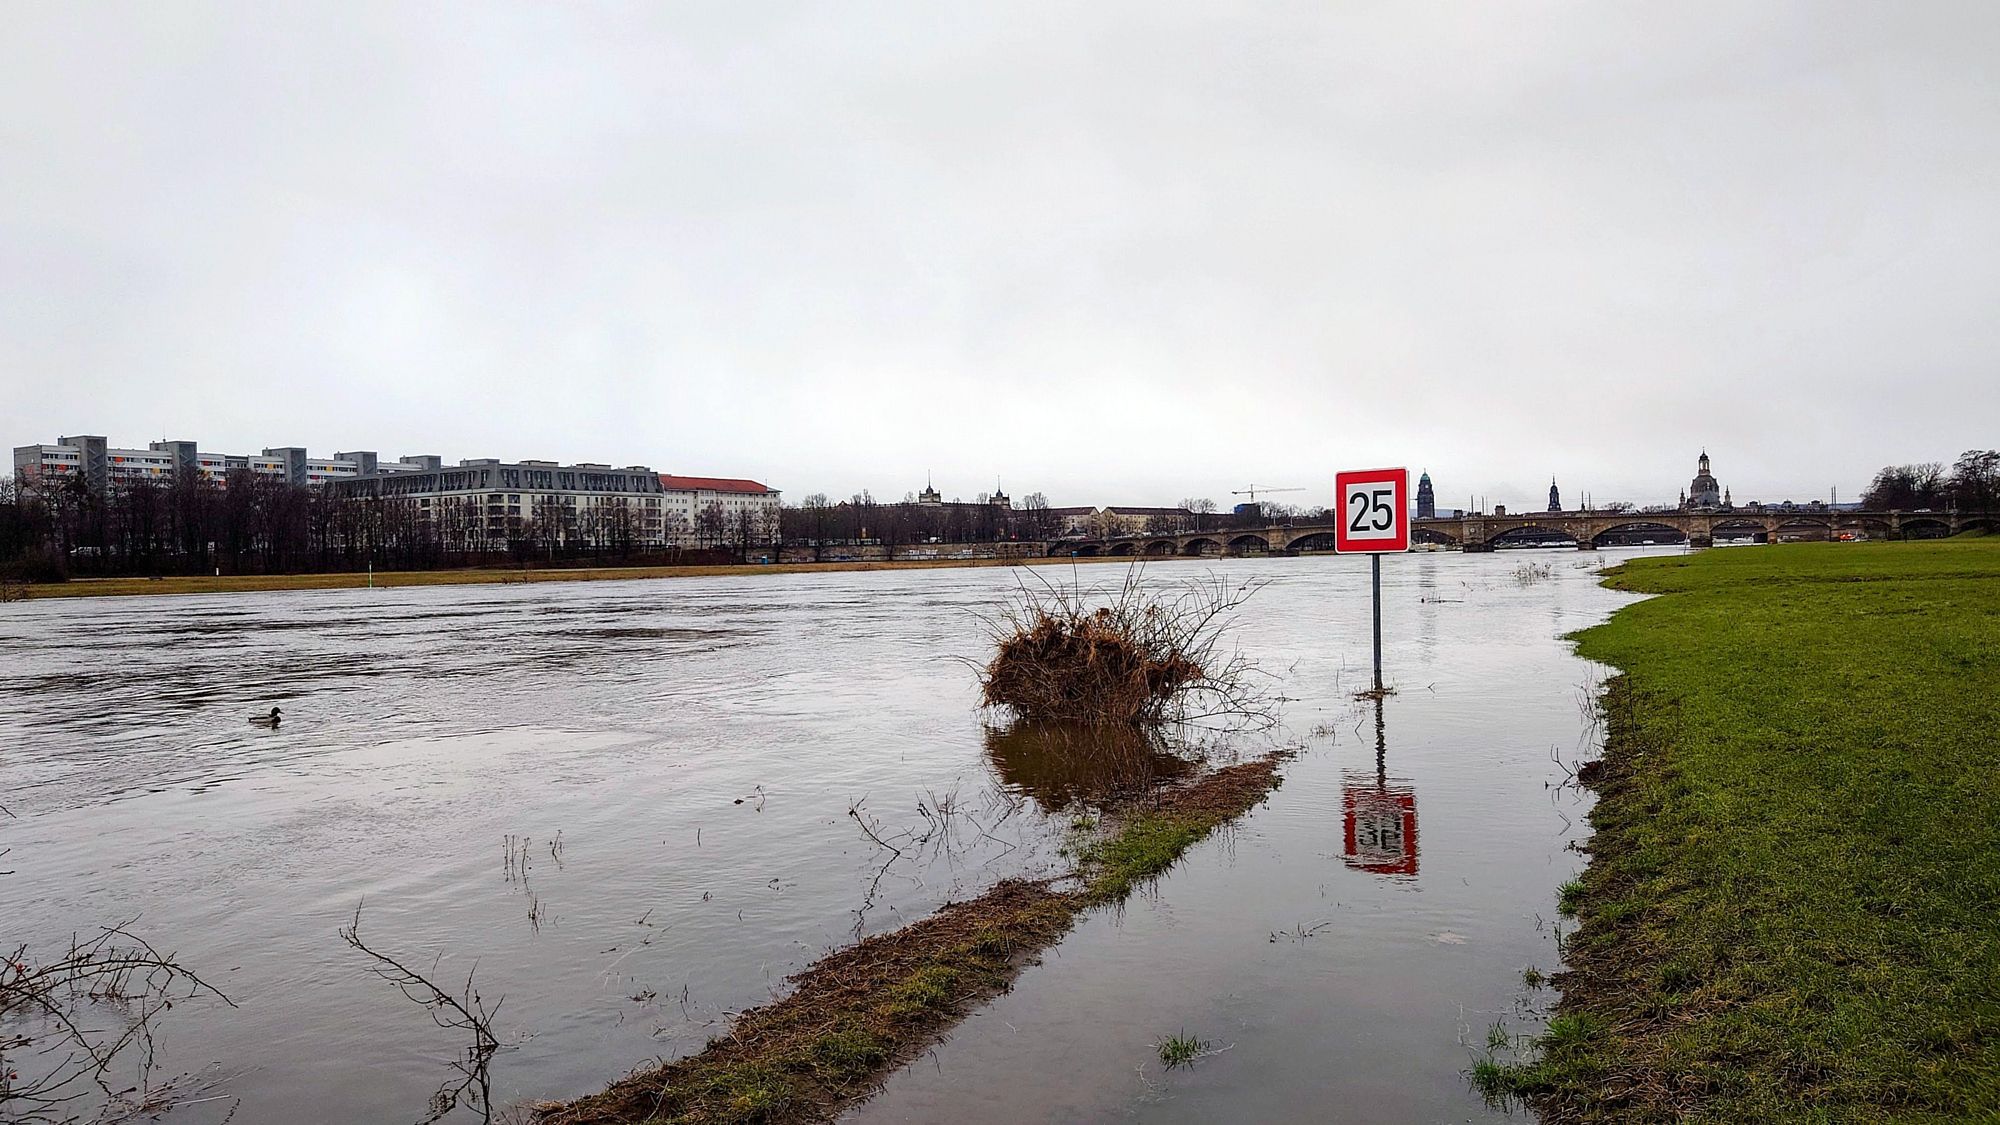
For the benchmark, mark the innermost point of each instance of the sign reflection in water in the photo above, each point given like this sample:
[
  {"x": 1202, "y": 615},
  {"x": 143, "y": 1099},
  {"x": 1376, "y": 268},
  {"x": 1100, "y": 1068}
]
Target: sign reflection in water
[{"x": 1378, "y": 816}]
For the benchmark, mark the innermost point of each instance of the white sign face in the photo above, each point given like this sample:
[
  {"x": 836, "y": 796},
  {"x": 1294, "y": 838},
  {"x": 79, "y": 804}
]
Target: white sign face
[{"x": 1373, "y": 510}]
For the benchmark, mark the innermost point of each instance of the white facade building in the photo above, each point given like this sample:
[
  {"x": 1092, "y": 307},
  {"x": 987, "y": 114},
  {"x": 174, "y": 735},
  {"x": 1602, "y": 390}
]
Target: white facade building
[
  {"x": 707, "y": 511},
  {"x": 485, "y": 502}
]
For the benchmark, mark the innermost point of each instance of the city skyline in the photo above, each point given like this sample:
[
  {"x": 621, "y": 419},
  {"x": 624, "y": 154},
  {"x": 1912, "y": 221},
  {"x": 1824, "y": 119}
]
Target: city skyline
[{"x": 327, "y": 466}]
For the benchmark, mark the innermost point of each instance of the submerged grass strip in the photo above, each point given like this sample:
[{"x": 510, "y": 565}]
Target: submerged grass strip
[
  {"x": 860, "y": 1011},
  {"x": 1792, "y": 913}
]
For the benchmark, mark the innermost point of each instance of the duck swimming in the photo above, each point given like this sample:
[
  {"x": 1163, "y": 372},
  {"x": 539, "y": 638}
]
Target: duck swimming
[{"x": 270, "y": 720}]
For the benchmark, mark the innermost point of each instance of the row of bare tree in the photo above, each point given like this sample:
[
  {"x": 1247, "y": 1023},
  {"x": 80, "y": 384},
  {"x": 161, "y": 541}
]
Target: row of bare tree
[
  {"x": 1970, "y": 485},
  {"x": 252, "y": 524},
  {"x": 862, "y": 518}
]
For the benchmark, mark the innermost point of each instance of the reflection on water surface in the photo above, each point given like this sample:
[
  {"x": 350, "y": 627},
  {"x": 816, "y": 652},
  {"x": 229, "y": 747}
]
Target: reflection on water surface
[
  {"x": 1064, "y": 765},
  {"x": 1378, "y": 814}
]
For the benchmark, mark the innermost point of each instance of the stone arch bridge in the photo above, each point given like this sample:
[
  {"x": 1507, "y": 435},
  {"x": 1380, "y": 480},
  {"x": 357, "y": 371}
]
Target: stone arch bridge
[{"x": 1587, "y": 530}]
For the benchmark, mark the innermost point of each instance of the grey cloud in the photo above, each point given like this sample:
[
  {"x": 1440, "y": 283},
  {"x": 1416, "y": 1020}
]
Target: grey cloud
[{"x": 1117, "y": 253}]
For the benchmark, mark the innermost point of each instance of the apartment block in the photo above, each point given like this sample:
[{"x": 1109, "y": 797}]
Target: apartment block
[
  {"x": 102, "y": 465},
  {"x": 487, "y": 502}
]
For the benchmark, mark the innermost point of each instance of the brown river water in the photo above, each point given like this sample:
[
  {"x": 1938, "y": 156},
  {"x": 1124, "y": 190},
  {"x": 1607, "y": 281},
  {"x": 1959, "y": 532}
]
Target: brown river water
[{"x": 677, "y": 760}]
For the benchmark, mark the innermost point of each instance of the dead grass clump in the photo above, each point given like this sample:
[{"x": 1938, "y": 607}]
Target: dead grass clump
[
  {"x": 1128, "y": 656},
  {"x": 1223, "y": 794},
  {"x": 1527, "y": 574}
]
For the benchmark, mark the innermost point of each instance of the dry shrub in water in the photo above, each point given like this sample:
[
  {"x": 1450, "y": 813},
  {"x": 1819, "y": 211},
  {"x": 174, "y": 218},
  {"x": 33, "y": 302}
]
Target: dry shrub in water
[
  {"x": 76, "y": 1032},
  {"x": 1129, "y": 655}
]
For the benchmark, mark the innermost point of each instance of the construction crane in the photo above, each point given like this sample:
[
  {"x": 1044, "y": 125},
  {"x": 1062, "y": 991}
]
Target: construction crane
[{"x": 1253, "y": 490}]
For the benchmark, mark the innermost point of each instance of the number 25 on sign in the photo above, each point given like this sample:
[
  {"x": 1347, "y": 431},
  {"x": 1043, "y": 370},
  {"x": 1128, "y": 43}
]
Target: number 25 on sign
[
  {"x": 1374, "y": 520},
  {"x": 1374, "y": 510}
]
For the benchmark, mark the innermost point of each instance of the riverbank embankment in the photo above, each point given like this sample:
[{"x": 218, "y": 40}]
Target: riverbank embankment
[
  {"x": 1792, "y": 910},
  {"x": 259, "y": 583},
  {"x": 861, "y": 1011}
]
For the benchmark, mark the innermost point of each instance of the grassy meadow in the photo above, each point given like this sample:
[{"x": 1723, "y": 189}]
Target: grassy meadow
[{"x": 1792, "y": 912}]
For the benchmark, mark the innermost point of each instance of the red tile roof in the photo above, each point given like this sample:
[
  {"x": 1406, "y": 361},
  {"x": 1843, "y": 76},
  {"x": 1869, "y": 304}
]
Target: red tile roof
[{"x": 710, "y": 484}]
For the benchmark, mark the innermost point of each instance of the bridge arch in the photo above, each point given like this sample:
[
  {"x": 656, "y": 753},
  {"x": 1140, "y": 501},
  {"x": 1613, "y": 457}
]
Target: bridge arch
[
  {"x": 1925, "y": 527},
  {"x": 1088, "y": 550},
  {"x": 1432, "y": 535},
  {"x": 1126, "y": 548},
  {"x": 1803, "y": 527},
  {"x": 1742, "y": 527},
  {"x": 1159, "y": 547},
  {"x": 1643, "y": 529},
  {"x": 1312, "y": 541},
  {"x": 1528, "y": 534},
  {"x": 1251, "y": 542},
  {"x": 1201, "y": 545}
]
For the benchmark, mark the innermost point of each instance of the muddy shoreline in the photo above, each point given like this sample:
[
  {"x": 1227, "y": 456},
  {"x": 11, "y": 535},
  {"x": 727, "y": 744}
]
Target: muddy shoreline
[{"x": 858, "y": 1014}]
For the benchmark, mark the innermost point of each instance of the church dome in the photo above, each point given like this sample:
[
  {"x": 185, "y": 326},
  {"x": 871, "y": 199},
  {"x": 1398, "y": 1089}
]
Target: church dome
[{"x": 1703, "y": 490}]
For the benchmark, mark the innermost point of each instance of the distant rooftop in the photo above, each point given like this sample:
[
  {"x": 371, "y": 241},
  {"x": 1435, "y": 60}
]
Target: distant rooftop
[{"x": 710, "y": 484}]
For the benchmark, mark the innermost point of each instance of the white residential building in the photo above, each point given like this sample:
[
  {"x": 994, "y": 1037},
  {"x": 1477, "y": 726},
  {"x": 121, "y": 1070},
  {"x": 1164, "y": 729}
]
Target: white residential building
[
  {"x": 706, "y": 511},
  {"x": 485, "y": 502}
]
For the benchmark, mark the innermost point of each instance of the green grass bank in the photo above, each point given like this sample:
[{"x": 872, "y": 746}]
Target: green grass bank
[{"x": 1792, "y": 910}]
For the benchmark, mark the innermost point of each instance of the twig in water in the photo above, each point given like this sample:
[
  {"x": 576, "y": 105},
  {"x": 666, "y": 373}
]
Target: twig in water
[
  {"x": 464, "y": 1012},
  {"x": 71, "y": 1052}
]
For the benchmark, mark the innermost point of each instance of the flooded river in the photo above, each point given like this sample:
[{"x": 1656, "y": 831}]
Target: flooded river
[{"x": 637, "y": 806}]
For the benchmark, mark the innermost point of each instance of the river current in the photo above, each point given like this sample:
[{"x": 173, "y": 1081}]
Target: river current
[{"x": 632, "y": 808}]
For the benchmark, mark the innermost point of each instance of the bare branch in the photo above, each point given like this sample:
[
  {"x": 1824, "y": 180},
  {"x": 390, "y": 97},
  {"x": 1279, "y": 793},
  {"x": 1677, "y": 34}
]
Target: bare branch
[
  {"x": 83, "y": 1013},
  {"x": 463, "y": 1012}
]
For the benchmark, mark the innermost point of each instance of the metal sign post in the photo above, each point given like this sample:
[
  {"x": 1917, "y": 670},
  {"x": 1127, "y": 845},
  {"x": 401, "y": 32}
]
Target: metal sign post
[
  {"x": 1374, "y": 519},
  {"x": 1375, "y": 565}
]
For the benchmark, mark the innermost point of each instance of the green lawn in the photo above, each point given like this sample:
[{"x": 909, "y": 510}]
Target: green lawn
[{"x": 1792, "y": 911}]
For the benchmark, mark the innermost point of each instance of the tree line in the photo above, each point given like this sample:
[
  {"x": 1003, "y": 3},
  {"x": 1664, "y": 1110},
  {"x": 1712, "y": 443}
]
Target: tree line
[
  {"x": 1970, "y": 485},
  {"x": 249, "y": 523},
  {"x": 862, "y": 519}
]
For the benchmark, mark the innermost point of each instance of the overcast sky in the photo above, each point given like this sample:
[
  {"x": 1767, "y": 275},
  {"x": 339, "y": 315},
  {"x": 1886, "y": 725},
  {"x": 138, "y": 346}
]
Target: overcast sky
[{"x": 1118, "y": 253}]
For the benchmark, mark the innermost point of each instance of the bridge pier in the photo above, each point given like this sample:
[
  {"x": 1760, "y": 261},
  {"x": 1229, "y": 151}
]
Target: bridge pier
[{"x": 1701, "y": 541}]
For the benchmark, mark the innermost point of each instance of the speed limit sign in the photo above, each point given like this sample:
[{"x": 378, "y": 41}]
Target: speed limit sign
[{"x": 1374, "y": 513}]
